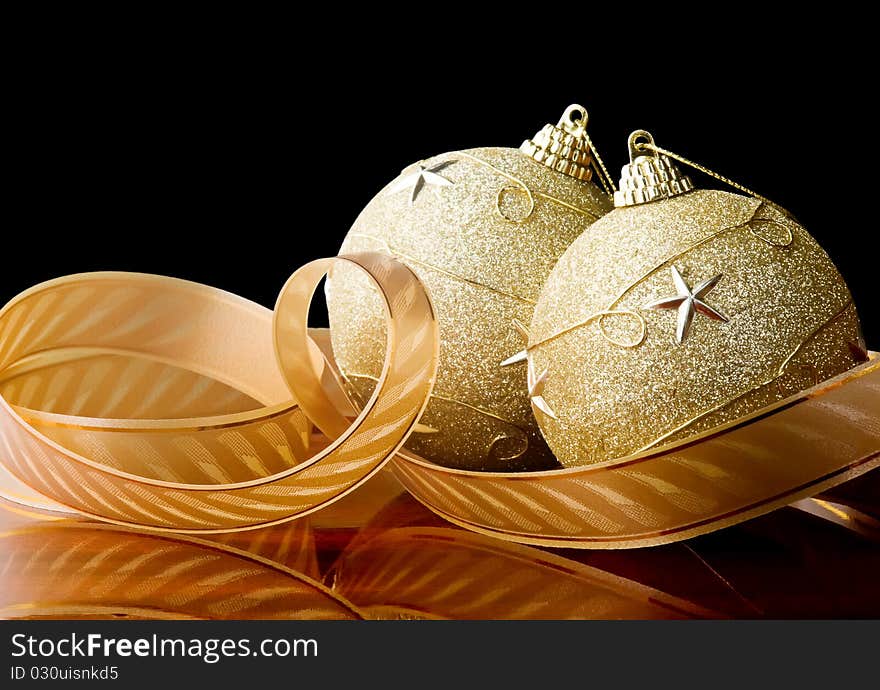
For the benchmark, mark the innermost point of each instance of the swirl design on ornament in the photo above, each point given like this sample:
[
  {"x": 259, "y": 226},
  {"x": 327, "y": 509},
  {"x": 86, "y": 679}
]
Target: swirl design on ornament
[
  {"x": 524, "y": 188},
  {"x": 759, "y": 221},
  {"x": 499, "y": 202},
  {"x": 599, "y": 316},
  {"x": 511, "y": 433}
]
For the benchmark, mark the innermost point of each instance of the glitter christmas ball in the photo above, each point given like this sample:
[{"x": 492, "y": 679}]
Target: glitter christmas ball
[
  {"x": 681, "y": 310},
  {"x": 482, "y": 228}
]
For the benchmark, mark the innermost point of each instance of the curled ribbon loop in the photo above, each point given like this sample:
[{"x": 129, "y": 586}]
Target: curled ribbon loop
[{"x": 248, "y": 467}]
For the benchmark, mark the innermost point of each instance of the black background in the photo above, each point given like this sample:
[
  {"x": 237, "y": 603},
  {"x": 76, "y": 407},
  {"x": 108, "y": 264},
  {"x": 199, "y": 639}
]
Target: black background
[{"x": 232, "y": 158}]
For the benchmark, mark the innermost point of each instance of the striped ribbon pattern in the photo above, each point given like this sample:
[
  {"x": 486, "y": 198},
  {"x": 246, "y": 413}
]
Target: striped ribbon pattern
[
  {"x": 243, "y": 469},
  {"x": 70, "y": 569},
  {"x": 796, "y": 448},
  {"x": 430, "y": 572}
]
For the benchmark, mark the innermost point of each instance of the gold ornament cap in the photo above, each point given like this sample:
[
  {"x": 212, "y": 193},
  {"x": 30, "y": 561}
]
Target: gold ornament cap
[
  {"x": 564, "y": 147},
  {"x": 648, "y": 176}
]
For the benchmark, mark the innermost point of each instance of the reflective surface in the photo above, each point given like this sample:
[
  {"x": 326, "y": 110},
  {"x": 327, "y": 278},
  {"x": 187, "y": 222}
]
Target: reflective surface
[{"x": 378, "y": 553}]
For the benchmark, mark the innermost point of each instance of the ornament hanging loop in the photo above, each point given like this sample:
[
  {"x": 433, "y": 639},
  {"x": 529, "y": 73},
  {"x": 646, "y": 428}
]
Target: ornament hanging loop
[
  {"x": 574, "y": 120},
  {"x": 566, "y": 147},
  {"x": 649, "y": 145},
  {"x": 650, "y": 175},
  {"x": 640, "y": 142}
]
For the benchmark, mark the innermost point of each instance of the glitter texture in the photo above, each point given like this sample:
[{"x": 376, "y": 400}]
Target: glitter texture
[
  {"x": 484, "y": 258},
  {"x": 790, "y": 313}
]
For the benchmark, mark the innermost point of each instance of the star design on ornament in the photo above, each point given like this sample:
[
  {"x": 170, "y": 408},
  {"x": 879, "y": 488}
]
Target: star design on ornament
[
  {"x": 522, "y": 355},
  {"x": 536, "y": 389},
  {"x": 534, "y": 381},
  {"x": 688, "y": 302},
  {"x": 416, "y": 181}
]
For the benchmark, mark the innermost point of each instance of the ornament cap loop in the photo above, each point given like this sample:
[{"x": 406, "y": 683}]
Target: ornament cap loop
[
  {"x": 564, "y": 147},
  {"x": 650, "y": 175},
  {"x": 574, "y": 119},
  {"x": 641, "y": 142}
]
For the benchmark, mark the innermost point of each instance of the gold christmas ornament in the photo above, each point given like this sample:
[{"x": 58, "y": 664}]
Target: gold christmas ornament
[
  {"x": 482, "y": 229},
  {"x": 681, "y": 310}
]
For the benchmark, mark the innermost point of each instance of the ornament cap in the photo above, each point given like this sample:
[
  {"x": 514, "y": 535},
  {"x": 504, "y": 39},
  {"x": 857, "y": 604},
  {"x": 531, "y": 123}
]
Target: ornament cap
[
  {"x": 564, "y": 147},
  {"x": 649, "y": 175}
]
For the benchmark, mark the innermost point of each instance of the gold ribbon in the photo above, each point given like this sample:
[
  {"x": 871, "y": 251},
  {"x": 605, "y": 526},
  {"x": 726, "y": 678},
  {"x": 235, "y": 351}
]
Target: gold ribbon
[
  {"x": 799, "y": 447},
  {"x": 443, "y": 573},
  {"x": 68, "y": 569},
  {"x": 246, "y": 467},
  {"x": 158, "y": 403}
]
